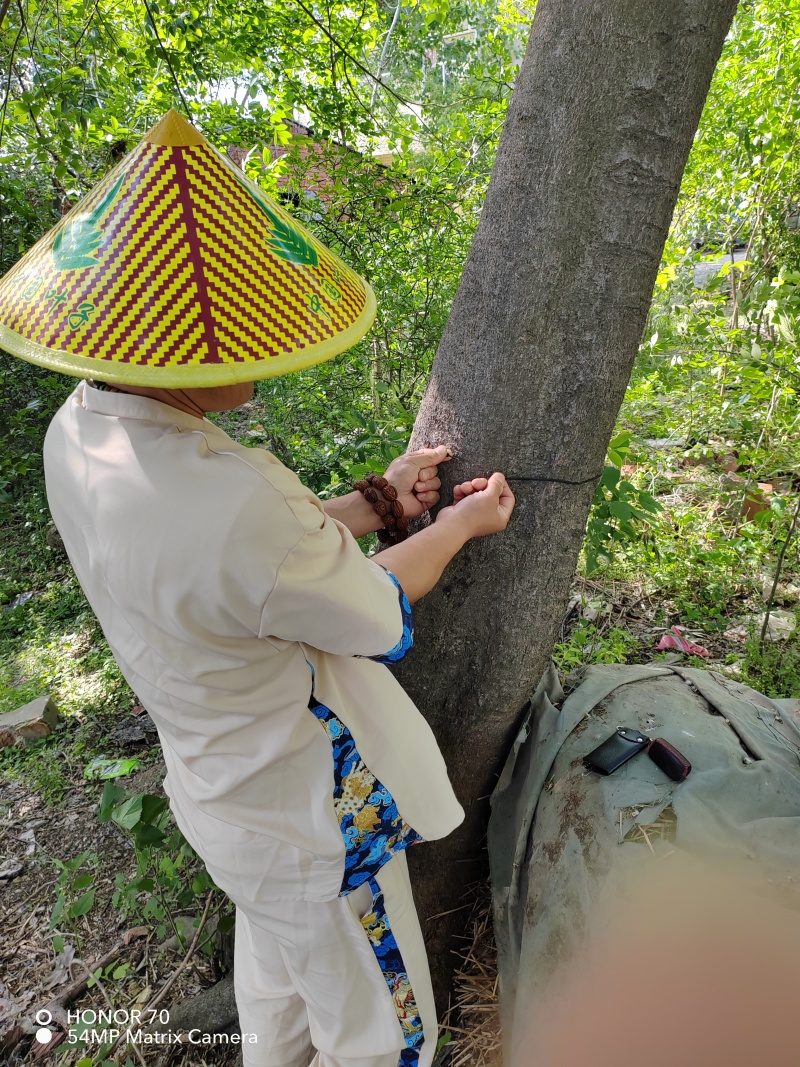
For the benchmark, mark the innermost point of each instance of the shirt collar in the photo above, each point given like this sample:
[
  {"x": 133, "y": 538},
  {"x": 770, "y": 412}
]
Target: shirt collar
[{"x": 131, "y": 406}]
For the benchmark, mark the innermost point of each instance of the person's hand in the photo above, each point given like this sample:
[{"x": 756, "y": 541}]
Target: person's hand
[
  {"x": 483, "y": 505},
  {"x": 415, "y": 477}
]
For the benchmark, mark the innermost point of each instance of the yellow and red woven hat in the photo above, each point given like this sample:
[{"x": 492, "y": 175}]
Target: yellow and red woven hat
[{"x": 178, "y": 271}]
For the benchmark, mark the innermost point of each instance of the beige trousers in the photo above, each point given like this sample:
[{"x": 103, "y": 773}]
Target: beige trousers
[{"x": 309, "y": 985}]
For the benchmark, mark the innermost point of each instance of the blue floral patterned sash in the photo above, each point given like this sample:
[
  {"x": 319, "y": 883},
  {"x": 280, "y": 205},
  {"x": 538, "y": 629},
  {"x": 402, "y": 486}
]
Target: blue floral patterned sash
[
  {"x": 373, "y": 831},
  {"x": 372, "y": 827}
]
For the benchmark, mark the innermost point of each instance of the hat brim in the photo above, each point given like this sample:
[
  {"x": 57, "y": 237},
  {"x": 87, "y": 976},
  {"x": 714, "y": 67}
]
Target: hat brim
[
  {"x": 183, "y": 377},
  {"x": 179, "y": 271}
]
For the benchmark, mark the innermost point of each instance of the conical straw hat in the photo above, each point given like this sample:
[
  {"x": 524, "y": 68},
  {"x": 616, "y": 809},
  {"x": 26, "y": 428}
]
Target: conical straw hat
[{"x": 178, "y": 271}]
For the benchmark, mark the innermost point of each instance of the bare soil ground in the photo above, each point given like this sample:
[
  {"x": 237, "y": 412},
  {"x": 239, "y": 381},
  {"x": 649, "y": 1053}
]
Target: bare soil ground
[{"x": 33, "y": 974}]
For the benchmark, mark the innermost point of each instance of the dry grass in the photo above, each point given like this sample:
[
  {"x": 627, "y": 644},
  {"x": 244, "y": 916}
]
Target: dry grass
[
  {"x": 474, "y": 1019},
  {"x": 663, "y": 829}
]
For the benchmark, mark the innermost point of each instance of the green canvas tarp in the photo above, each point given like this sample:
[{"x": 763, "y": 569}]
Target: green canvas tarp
[{"x": 563, "y": 838}]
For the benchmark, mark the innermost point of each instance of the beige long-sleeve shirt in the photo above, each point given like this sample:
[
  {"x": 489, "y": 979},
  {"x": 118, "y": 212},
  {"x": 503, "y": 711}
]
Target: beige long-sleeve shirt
[{"x": 219, "y": 582}]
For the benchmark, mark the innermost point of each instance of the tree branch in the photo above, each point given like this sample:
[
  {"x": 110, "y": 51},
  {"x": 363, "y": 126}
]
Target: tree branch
[
  {"x": 158, "y": 998},
  {"x": 167, "y": 60},
  {"x": 778, "y": 570},
  {"x": 353, "y": 59},
  {"x": 383, "y": 55}
]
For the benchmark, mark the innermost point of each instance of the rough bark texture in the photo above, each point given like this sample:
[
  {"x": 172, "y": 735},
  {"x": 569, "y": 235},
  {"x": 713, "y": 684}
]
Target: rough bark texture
[
  {"x": 533, "y": 366},
  {"x": 211, "y": 1012}
]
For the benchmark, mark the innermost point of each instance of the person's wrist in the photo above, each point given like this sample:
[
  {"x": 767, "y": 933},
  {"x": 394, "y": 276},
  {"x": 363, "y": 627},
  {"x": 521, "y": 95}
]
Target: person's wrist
[
  {"x": 351, "y": 509},
  {"x": 454, "y": 525},
  {"x": 371, "y": 517},
  {"x": 384, "y": 499}
]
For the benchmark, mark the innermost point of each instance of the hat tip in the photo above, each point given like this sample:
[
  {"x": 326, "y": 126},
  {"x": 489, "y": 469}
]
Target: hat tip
[{"x": 174, "y": 130}]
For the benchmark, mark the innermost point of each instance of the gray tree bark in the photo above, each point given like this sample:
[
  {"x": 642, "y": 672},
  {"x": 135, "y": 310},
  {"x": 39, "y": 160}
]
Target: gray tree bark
[{"x": 533, "y": 365}]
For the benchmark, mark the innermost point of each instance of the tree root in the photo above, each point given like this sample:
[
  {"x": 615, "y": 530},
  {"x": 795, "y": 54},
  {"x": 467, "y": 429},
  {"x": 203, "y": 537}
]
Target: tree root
[{"x": 211, "y": 1012}]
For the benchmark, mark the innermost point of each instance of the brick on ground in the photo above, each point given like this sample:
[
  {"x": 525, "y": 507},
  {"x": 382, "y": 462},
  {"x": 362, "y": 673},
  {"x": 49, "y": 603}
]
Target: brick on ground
[{"x": 37, "y": 718}]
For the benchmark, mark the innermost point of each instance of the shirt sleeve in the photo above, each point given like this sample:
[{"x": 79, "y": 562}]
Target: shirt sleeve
[
  {"x": 407, "y": 638},
  {"x": 329, "y": 595}
]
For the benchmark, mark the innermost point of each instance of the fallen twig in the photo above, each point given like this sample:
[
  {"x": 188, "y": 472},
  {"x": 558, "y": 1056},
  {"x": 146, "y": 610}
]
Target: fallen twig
[
  {"x": 78, "y": 987},
  {"x": 110, "y": 1006},
  {"x": 31, "y": 914},
  {"x": 170, "y": 982},
  {"x": 778, "y": 570}
]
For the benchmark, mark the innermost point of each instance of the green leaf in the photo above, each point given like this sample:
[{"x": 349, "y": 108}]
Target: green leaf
[
  {"x": 153, "y": 909},
  {"x": 78, "y": 861},
  {"x": 58, "y": 910},
  {"x": 148, "y": 835},
  {"x": 152, "y": 807},
  {"x": 129, "y": 813},
  {"x": 111, "y": 796},
  {"x": 82, "y": 905},
  {"x": 621, "y": 441},
  {"x": 286, "y": 241},
  {"x": 620, "y": 510},
  {"x": 648, "y": 503},
  {"x": 75, "y": 245}
]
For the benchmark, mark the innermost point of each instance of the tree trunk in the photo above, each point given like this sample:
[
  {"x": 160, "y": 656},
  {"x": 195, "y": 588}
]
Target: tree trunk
[{"x": 533, "y": 365}]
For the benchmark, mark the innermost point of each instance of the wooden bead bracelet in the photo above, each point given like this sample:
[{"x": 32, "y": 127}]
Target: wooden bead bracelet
[{"x": 383, "y": 497}]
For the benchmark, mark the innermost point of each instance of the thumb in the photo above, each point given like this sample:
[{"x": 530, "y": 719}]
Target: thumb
[
  {"x": 427, "y": 457},
  {"x": 497, "y": 484}
]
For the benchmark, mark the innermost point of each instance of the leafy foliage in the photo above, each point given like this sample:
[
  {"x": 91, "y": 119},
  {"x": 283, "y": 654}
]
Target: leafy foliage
[
  {"x": 168, "y": 878},
  {"x": 75, "y": 894},
  {"x": 712, "y": 406},
  {"x": 619, "y": 508},
  {"x": 402, "y": 109},
  {"x": 588, "y": 643},
  {"x": 401, "y": 121}
]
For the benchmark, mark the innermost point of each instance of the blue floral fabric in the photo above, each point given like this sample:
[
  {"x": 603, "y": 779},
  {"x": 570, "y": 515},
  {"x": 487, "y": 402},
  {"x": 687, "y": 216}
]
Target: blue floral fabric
[
  {"x": 372, "y": 827},
  {"x": 379, "y": 931},
  {"x": 407, "y": 639},
  {"x": 373, "y": 831}
]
